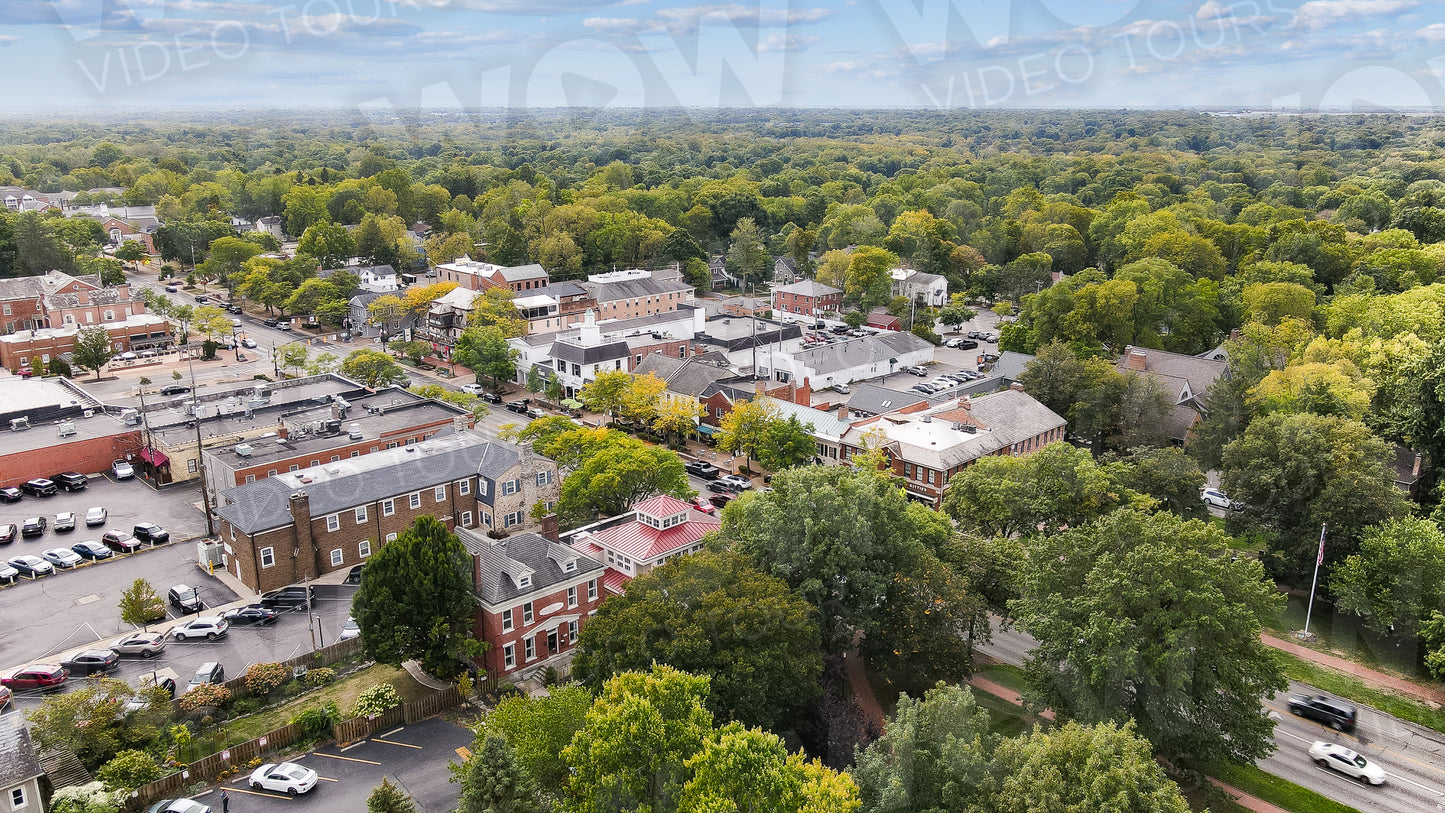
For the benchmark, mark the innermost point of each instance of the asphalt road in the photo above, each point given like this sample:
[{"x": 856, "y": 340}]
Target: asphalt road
[
  {"x": 1413, "y": 757},
  {"x": 413, "y": 757}
]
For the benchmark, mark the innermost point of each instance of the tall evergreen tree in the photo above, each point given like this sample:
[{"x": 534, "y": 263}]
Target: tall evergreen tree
[{"x": 493, "y": 782}]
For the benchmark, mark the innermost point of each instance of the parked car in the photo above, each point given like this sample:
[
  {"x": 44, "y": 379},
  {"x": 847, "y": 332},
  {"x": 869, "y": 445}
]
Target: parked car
[
  {"x": 32, "y": 527},
  {"x": 535, "y": 413},
  {"x": 920, "y": 371},
  {"x": 8, "y": 534},
  {"x": 738, "y": 482},
  {"x": 720, "y": 487},
  {"x": 283, "y": 324},
  {"x": 10, "y": 494},
  {"x": 178, "y": 806},
  {"x": 234, "y": 308},
  {"x": 8, "y": 574},
  {"x": 293, "y": 596},
  {"x": 71, "y": 480},
  {"x": 208, "y": 672},
  {"x": 151, "y": 533},
  {"x": 120, "y": 542},
  {"x": 702, "y": 504},
  {"x": 253, "y": 615},
  {"x": 91, "y": 662},
  {"x": 122, "y": 470},
  {"x": 32, "y": 566},
  {"x": 62, "y": 557},
  {"x": 185, "y": 598},
  {"x": 473, "y": 389},
  {"x": 164, "y": 679},
  {"x": 350, "y": 629},
  {"x": 64, "y": 521},
  {"x": 1337, "y": 757},
  {"x": 702, "y": 468},
  {"x": 283, "y": 777},
  {"x": 175, "y": 389},
  {"x": 968, "y": 344},
  {"x": 720, "y": 500},
  {"x": 96, "y": 516},
  {"x": 1215, "y": 498},
  {"x": 36, "y": 676},
  {"x": 92, "y": 550},
  {"x": 991, "y": 338},
  {"x": 39, "y": 487},
  {"x": 209, "y": 627},
  {"x": 491, "y": 397},
  {"x": 146, "y": 644},
  {"x": 1336, "y": 714}
]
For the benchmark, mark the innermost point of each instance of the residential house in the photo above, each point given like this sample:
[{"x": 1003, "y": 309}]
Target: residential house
[
  {"x": 123, "y": 223},
  {"x": 805, "y": 301},
  {"x": 271, "y": 224},
  {"x": 20, "y": 770},
  {"x": 576, "y": 355},
  {"x": 381, "y": 279},
  {"x": 448, "y": 317},
  {"x": 553, "y": 307},
  {"x": 632, "y": 293},
  {"x": 916, "y": 286},
  {"x": 1408, "y": 468},
  {"x": 655, "y": 531},
  {"x": 869, "y": 400},
  {"x": 881, "y": 319},
  {"x": 479, "y": 276},
  {"x": 20, "y": 199},
  {"x": 533, "y": 596},
  {"x": 294, "y": 525},
  {"x": 785, "y": 271},
  {"x": 1010, "y": 365},
  {"x": 1185, "y": 379},
  {"x": 927, "y": 444},
  {"x": 358, "y": 318}
]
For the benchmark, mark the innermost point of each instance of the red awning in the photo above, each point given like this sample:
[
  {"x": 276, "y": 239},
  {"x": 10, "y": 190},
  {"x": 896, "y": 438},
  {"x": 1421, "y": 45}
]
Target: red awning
[{"x": 153, "y": 457}]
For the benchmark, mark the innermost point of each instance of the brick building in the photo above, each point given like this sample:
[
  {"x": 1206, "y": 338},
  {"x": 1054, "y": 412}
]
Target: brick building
[
  {"x": 534, "y": 595},
  {"x": 632, "y": 293},
  {"x": 51, "y": 425},
  {"x": 805, "y": 301},
  {"x": 307, "y": 523},
  {"x": 476, "y": 275},
  {"x": 138, "y": 333}
]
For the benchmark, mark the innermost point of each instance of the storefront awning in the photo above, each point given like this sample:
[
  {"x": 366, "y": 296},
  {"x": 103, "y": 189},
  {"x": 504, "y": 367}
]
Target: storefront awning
[
  {"x": 706, "y": 429},
  {"x": 154, "y": 458}
]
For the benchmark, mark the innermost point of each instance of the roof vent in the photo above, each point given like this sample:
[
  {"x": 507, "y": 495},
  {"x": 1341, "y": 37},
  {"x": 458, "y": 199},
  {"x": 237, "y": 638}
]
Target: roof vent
[
  {"x": 928, "y": 419},
  {"x": 244, "y": 449},
  {"x": 411, "y": 449}
]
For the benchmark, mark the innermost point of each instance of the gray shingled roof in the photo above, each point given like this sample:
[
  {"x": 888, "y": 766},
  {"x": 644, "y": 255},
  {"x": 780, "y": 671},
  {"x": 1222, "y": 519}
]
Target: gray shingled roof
[
  {"x": 18, "y": 762},
  {"x": 501, "y": 558},
  {"x": 265, "y": 504},
  {"x": 590, "y": 355},
  {"x": 870, "y": 350},
  {"x": 689, "y": 376},
  {"x": 516, "y": 272},
  {"x": 875, "y": 400},
  {"x": 1201, "y": 373},
  {"x": 1017, "y": 412},
  {"x": 1011, "y": 364},
  {"x": 558, "y": 290},
  {"x": 632, "y": 288},
  {"x": 807, "y": 287}
]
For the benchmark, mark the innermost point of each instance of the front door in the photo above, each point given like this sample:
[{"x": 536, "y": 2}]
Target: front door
[{"x": 552, "y": 642}]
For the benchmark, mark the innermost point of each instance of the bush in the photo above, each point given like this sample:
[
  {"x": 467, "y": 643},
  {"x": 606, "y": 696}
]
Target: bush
[
  {"x": 318, "y": 721},
  {"x": 58, "y": 366},
  {"x": 129, "y": 770},
  {"x": 376, "y": 700},
  {"x": 92, "y": 797},
  {"x": 205, "y": 696},
  {"x": 265, "y": 678},
  {"x": 320, "y": 676},
  {"x": 248, "y": 704}
]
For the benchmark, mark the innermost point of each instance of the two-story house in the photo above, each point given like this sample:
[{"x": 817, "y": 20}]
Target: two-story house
[
  {"x": 534, "y": 595},
  {"x": 19, "y": 767},
  {"x": 479, "y": 276},
  {"x": 805, "y": 301},
  {"x": 655, "y": 530},
  {"x": 917, "y": 286}
]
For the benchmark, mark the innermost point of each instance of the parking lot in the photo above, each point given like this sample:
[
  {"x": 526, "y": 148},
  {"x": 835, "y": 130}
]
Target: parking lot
[{"x": 413, "y": 757}]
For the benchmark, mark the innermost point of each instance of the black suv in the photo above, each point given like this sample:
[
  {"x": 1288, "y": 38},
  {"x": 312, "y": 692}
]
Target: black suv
[
  {"x": 519, "y": 407},
  {"x": 70, "y": 480},
  {"x": 293, "y": 596},
  {"x": 34, "y": 526},
  {"x": 152, "y": 533},
  {"x": 39, "y": 487},
  {"x": 10, "y": 494},
  {"x": 185, "y": 598},
  {"x": 1336, "y": 714}
]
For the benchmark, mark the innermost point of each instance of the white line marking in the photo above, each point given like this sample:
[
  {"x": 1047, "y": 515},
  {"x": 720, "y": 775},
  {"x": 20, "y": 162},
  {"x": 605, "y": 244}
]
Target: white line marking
[{"x": 388, "y": 734}]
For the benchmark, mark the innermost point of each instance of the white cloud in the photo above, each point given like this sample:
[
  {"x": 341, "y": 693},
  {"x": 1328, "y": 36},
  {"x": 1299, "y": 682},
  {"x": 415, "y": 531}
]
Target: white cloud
[
  {"x": 1321, "y": 13},
  {"x": 529, "y": 7},
  {"x": 686, "y": 19},
  {"x": 8, "y": 39},
  {"x": 778, "y": 41}
]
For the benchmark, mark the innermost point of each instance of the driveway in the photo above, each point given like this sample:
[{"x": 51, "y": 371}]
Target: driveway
[{"x": 413, "y": 757}]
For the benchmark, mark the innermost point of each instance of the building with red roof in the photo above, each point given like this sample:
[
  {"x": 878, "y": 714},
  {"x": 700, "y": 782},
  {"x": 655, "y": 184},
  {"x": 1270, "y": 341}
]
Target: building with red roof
[{"x": 654, "y": 531}]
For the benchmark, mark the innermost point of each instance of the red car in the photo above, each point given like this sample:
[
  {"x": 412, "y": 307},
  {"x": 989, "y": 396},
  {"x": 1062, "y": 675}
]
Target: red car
[
  {"x": 36, "y": 676},
  {"x": 701, "y": 504}
]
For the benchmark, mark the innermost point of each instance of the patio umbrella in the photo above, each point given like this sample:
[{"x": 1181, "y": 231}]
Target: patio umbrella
[{"x": 571, "y": 403}]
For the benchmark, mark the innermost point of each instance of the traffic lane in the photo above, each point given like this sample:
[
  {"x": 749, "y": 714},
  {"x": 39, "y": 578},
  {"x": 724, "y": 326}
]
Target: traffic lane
[
  {"x": 413, "y": 757},
  {"x": 242, "y": 646},
  {"x": 1291, "y": 761}
]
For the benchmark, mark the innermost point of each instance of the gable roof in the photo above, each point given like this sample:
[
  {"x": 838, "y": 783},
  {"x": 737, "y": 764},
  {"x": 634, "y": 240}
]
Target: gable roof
[
  {"x": 825, "y": 424},
  {"x": 1198, "y": 373},
  {"x": 1011, "y": 364},
  {"x": 872, "y": 399},
  {"x": 500, "y": 560},
  {"x": 18, "y": 760},
  {"x": 613, "y": 290},
  {"x": 512, "y": 273},
  {"x": 589, "y": 355},
  {"x": 807, "y": 287},
  {"x": 689, "y": 376}
]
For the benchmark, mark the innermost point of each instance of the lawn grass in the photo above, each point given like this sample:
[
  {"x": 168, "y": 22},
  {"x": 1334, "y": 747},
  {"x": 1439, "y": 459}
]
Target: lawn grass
[
  {"x": 1005, "y": 674},
  {"x": 344, "y": 692},
  {"x": 1004, "y": 718},
  {"x": 1275, "y": 790},
  {"x": 1352, "y": 688}
]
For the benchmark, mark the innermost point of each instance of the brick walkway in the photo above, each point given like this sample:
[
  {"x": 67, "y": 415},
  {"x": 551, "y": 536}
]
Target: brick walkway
[
  {"x": 1364, "y": 673},
  {"x": 862, "y": 689}
]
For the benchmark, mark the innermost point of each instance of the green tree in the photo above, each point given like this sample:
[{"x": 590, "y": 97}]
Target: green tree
[
  {"x": 1272, "y": 302},
  {"x": 1168, "y": 475},
  {"x": 486, "y": 352},
  {"x": 679, "y": 246},
  {"x": 226, "y": 257},
  {"x": 90, "y": 722},
  {"x": 292, "y": 356},
  {"x": 606, "y": 392},
  {"x": 747, "y": 256},
  {"x": 1082, "y": 767},
  {"x": 535, "y": 382},
  {"x": 414, "y": 350},
  {"x": 786, "y": 443},
  {"x": 1178, "y": 652},
  {"x": 957, "y": 314},
  {"x": 935, "y": 754},
  {"x": 139, "y": 604},
  {"x": 1297, "y": 472},
  {"x": 211, "y": 322},
  {"x": 131, "y": 252},
  {"x": 618, "y": 475},
  {"x": 386, "y": 312},
  {"x": 388, "y": 798},
  {"x": 868, "y": 282},
  {"x": 129, "y": 770},
  {"x": 415, "y": 601},
  {"x": 372, "y": 368},
  {"x": 538, "y": 728},
  {"x": 747, "y": 632},
  {"x": 329, "y": 243},
  {"x": 1396, "y": 579},
  {"x": 750, "y": 769},
  {"x": 642, "y": 397},
  {"x": 493, "y": 782},
  {"x": 744, "y": 430},
  {"x": 93, "y": 349}
]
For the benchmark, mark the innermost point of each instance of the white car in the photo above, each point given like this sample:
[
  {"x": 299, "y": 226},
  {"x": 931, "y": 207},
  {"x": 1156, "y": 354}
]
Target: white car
[
  {"x": 736, "y": 481},
  {"x": 210, "y": 627},
  {"x": 1339, "y": 758},
  {"x": 473, "y": 389},
  {"x": 1215, "y": 498},
  {"x": 95, "y": 516},
  {"x": 350, "y": 629},
  {"x": 62, "y": 557},
  {"x": 283, "y": 777},
  {"x": 248, "y": 343},
  {"x": 122, "y": 470},
  {"x": 8, "y": 574}
]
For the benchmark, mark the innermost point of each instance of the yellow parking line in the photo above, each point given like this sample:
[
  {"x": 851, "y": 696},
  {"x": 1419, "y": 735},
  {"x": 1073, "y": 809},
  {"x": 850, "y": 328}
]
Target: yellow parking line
[
  {"x": 402, "y": 744},
  {"x": 258, "y": 793},
  {"x": 348, "y": 759},
  {"x": 327, "y": 779}
]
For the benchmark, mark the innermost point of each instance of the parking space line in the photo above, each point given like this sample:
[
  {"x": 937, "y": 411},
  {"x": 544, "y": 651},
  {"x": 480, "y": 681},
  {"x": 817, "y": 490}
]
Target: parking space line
[
  {"x": 262, "y": 795},
  {"x": 393, "y": 731},
  {"x": 402, "y": 744},
  {"x": 327, "y": 778},
  {"x": 348, "y": 759}
]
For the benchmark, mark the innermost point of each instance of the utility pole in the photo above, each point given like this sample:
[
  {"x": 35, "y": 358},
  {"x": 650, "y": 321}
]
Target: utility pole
[{"x": 200, "y": 456}]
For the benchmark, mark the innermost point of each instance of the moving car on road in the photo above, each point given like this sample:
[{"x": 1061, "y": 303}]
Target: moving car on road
[
  {"x": 175, "y": 389},
  {"x": 284, "y": 777},
  {"x": 145, "y": 644},
  {"x": 1215, "y": 498},
  {"x": 1336, "y": 714},
  {"x": 350, "y": 629},
  {"x": 1337, "y": 757}
]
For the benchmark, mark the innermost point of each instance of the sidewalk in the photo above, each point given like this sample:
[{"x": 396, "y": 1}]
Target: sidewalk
[{"x": 1364, "y": 673}]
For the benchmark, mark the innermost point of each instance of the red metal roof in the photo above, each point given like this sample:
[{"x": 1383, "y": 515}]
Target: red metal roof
[
  {"x": 662, "y": 505},
  {"x": 644, "y": 543},
  {"x": 614, "y": 581}
]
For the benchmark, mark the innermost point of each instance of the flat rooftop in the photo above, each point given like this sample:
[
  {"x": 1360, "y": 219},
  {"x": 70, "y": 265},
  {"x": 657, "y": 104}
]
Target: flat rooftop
[
  {"x": 46, "y": 435},
  {"x": 230, "y": 417},
  {"x": 305, "y": 435},
  {"x": 26, "y": 396},
  {"x": 165, "y": 409}
]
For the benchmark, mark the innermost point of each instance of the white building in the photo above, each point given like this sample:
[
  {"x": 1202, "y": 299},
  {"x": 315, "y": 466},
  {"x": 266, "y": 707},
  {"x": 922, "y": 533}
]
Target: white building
[
  {"x": 841, "y": 362},
  {"x": 927, "y": 289},
  {"x": 575, "y": 356}
]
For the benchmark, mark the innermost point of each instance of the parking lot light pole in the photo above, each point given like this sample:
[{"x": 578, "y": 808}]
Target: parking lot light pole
[{"x": 200, "y": 457}]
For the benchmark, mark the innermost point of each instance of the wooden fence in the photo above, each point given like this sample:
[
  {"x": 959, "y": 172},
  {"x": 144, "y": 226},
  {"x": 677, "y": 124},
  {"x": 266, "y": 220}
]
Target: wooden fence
[
  {"x": 208, "y": 767},
  {"x": 359, "y": 728}
]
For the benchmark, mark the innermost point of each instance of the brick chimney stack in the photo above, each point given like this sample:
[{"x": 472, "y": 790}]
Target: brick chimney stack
[
  {"x": 549, "y": 528},
  {"x": 300, "y": 507},
  {"x": 1016, "y": 387},
  {"x": 1136, "y": 359}
]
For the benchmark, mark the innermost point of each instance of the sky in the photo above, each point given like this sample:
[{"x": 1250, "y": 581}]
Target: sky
[{"x": 120, "y": 55}]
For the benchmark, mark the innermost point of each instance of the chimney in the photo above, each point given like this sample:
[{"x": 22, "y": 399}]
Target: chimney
[
  {"x": 477, "y": 572},
  {"x": 1137, "y": 360},
  {"x": 760, "y": 385},
  {"x": 300, "y": 507},
  {"x": 842, "y": 412},
  {"x": 803, "y": 395},
  {"x": 1415, "y": 472},
  {"x": 964, "y": 402},
  {"x": 549, "y": 527},
  {"x": 1234, "y": 334},
  {"x": 1016, "y": 387}
]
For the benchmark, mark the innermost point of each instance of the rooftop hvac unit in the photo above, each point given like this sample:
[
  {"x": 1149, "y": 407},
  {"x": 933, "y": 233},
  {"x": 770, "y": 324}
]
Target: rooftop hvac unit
[
  {"x": 244, "y": 449},
  {"x": 67, "y": 428},
  {"x": 257, "y": 403},
  {"x": 86, "y": 413},
  {"x": 130, "y": 417},
  {"x": 211, "y": 553},
  {"x": 354, "y": 431}
]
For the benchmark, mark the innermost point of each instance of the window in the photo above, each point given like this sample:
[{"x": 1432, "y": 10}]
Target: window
[
  {"x": 268, "y": 557},
  {"x": 481, "y": 487},
  {"x": 571, "y": 597},
  {"x": 360, "y": 515},
  {"x": 250, "y": 478},
  {"x": 570, "y": 566},
  {"x": 337, "y": 557},
  {"x": 440, "y": 493},
  {"x": 191, "y": 465},
  {"x": 333, "y": 523},
  {"x": 507, "y": 621},
  {"x": 512, "y": 519},
  {"x": 355, "y": 453},
  {"x": 17, "y": 798},
  {"x": 294, "y": 467},
  {"x": 391, "y": 537},
  {"x": 464, "y": 487},
  {"x": 544, "y": 477},
  {"x": 930, "y": 476},
  {"x": 592, "y": 590},
  {"x": 388, "y": 507},
  {"x": 270, "y": 472},
  {"x": 510, "y": 487},
  {"x": 572, "y": 631},
  {"x": 526, "y": 609},
  {"x": 364, "y": 549},
  {"x": 529, "y": 646},
  {"x": 414, "y": 499},
  {"x": 509, "y": 655},
  {"x": 525, "y": 581},
  {"x": 466, "y": 519}
]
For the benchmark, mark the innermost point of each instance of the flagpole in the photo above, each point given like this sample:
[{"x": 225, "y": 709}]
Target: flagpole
[{"x": 1319, "y": 559}]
